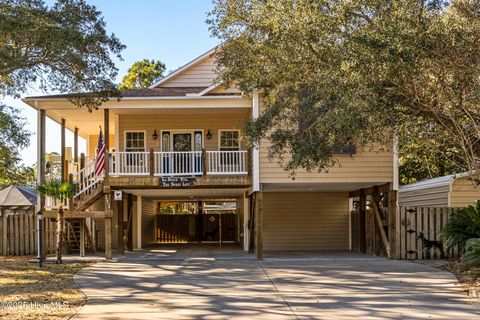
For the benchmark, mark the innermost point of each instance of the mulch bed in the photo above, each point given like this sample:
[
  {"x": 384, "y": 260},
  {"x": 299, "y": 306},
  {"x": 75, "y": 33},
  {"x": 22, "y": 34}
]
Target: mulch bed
[
  {"x": 468, "y": 279},
  {"x": 30, "y": 292}
]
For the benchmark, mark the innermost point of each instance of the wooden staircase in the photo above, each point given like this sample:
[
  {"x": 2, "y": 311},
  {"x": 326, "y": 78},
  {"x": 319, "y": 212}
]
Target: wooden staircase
[
  {"x": 90, "y": 187},
  {"x": 71, "y": 237},
  {"x": 86, "y": 199}
]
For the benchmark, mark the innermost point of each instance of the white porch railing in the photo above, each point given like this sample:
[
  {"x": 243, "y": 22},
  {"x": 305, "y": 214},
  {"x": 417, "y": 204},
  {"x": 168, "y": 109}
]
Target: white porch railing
[
  {"x": 174, "y": 163},
  {"x": 226, "y": 162},
  {"x": 178, "y": 163},
  {"x": 129, "y": 164},
  {"x": 86, "y": 179}
]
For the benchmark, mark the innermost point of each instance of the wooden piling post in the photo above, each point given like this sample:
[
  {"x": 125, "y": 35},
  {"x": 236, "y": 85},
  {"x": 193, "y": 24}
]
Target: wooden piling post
[
  {"x": 392, "y": 220},
  {"x": 120, "y": 233},
  {"x": 259, "y": 225},
  {"x": 362, "y": 218},
  {"x": 82, "y": 237},
  {"x": 106, "y": 187}
]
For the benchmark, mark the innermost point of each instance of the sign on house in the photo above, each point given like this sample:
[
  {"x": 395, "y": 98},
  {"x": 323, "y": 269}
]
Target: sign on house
[
  {"x": 117, "y": 195},
  {"x": 177, "y": 181}
]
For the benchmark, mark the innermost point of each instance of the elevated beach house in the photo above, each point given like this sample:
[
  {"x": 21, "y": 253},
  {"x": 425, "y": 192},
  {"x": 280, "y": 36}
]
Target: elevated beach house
[{"x": 177, "y": 170}]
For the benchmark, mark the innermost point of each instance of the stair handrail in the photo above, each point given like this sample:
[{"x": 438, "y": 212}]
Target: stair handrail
[{"x": 86, "y": 179}]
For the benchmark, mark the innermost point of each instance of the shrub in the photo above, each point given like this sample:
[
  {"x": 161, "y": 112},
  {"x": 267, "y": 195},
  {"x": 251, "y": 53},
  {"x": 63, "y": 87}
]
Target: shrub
[
  {"x": 462, "y": 226},
  {"x": 472, "y": 254}
]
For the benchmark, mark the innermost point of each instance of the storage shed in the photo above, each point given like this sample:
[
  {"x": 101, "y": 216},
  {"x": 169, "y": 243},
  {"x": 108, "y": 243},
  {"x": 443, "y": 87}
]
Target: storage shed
[{"x": 448, "y": 191}]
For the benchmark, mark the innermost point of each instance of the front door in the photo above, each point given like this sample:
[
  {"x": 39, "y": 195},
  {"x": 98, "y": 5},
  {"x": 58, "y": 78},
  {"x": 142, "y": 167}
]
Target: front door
[
  {"x": 182, "y": 145},
  {"x": 182, "y": 142}
]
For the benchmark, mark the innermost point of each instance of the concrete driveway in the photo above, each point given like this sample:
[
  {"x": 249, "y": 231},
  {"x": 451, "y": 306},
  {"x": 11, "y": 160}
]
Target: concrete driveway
[{"x": 173, "y": 284}]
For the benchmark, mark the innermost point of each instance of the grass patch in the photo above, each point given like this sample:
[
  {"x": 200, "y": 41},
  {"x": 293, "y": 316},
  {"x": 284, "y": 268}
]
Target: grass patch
[{"x": 30, "y": 292}]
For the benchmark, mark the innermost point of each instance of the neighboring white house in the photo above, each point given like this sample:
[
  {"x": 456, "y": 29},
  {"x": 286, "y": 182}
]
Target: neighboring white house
[{"x": 447, "y": 191}]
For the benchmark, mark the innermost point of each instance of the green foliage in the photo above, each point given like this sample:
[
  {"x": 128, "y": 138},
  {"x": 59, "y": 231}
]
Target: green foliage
[
  {"x": 471, "y": 257},
  {"x": 142, "y": 74},
  {"x": 462, "y": 226},
  {"x": 63, "y": 47},
  {"x": 13, "y": 138},
  {"x": 353, "y": 72},
  {"x": 167, "y": 209},
  {"x": 427, "y": 153},
  {"x": 57, "y": 189},
  {"x": 19, "y": 175}
]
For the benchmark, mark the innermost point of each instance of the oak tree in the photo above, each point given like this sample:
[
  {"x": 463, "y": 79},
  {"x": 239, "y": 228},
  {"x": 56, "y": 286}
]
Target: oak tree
[
  {"x": 355, "y": 73},
  {"x": 142, "y": 74}
]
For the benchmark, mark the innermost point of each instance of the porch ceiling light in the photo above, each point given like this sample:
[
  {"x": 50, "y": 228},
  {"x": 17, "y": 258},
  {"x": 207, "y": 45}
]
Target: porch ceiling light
[
  {"x": 155, "y": 134},
  {"x": 209, "y": 134}
]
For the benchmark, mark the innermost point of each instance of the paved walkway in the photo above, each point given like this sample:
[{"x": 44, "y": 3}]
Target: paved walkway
[{"x": 203, "y": 284}]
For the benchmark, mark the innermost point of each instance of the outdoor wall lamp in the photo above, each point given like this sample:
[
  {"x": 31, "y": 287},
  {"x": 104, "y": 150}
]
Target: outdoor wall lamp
[
  {"x": 209, "y": 134},
  {"x": 155, "y": 134}
]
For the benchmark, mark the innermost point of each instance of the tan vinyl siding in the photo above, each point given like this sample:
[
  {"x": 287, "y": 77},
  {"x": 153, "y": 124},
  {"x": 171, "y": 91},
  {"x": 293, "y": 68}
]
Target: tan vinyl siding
[
  {"x": 463, "y": 193},
  {"x": 202, "y": 74},
  {"x": 148, "y": 221},
  {"x": 431, "y": 196},
  {"x": 305, "y": 221},
  {"x": 365, "y": 166},
  {"x": 362, "y": 167},
  {"x": 93, "y": 145},
  {"x": 213, "y": 121}
]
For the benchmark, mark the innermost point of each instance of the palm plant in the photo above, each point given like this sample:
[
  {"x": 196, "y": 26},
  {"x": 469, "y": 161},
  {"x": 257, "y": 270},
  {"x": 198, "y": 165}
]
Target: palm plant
[
  {"x": 472, "y": 253},
  {"x": 462, "y": 226},
  {"x": 60, "y": 192}
]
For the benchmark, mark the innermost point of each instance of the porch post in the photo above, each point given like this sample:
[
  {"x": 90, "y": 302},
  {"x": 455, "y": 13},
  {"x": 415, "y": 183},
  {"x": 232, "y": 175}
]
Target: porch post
[
  {"x": 75, "y": 146},
  {"x": 106, "y": 140},
  {"x": 259, "y": 225},
  {"x": 41, "y": 115},
  {"x": 151, "y": 160},
  {"x": 255, "y": 151},
  {"x": 62, "y": 151}
]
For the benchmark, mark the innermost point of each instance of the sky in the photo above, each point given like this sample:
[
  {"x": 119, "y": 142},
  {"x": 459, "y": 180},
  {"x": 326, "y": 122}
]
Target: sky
[{"x": 172, "y": 31}]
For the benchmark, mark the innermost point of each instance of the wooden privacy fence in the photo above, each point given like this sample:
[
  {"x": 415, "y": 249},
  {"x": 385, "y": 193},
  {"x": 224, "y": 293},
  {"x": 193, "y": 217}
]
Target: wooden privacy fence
[
  {"x": 18, "y": 233},
  {"x": 427, "y": 220}
]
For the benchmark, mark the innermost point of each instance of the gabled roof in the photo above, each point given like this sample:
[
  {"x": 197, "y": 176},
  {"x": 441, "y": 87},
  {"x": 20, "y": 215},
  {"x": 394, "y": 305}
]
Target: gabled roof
[
  {"x": 183, "y": 68},
  {"x": 18, "y": 196}
]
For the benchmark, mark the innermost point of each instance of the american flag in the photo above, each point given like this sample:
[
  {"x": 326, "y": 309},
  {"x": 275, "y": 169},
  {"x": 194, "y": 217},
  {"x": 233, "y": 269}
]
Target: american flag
[{"x": 100, "y": 162}]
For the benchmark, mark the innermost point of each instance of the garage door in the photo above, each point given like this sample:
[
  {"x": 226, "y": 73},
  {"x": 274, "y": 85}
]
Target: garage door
[{"x": 305, "y": 221}]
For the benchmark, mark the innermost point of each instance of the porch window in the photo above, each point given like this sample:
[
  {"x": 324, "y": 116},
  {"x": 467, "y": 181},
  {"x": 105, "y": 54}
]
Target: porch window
[
  {"x": 135, "y": 141},
  {"x": 229, "y": 140}
]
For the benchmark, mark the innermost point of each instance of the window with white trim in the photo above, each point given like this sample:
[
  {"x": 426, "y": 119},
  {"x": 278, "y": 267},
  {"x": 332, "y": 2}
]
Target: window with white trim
[
  {"x": 229, "y": 140},
  {"x": 135, "y": 141}
]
